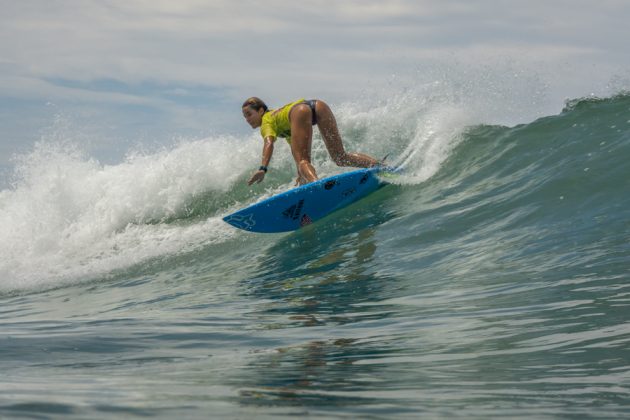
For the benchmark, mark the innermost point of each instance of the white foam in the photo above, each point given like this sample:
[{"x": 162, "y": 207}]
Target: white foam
[
  {"x": 419, "y": 117},
  {"x": 69, "y": 218},
  {"x": 417, "y": 130}
]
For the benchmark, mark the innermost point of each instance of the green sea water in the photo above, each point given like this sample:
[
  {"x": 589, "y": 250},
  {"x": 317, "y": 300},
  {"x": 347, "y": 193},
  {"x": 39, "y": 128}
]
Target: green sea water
[{"x": 491, "y": 281}]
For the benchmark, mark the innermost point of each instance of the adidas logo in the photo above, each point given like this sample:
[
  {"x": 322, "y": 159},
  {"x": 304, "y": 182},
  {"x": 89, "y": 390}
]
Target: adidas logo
[{"x": 294, "y": 211}]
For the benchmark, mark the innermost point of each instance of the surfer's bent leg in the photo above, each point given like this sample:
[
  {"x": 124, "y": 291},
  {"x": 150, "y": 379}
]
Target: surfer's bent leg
[
  {"x": 301, "y": 139},
  {"x": 332, "y": 139}
]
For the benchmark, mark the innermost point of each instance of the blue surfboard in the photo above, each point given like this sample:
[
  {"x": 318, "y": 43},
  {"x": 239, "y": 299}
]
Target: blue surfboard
[{"x": 304, "y": 205}]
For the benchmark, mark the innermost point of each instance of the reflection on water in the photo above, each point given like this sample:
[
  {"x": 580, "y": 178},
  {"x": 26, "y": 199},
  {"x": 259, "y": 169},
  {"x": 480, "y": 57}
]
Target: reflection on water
[
  {"x": 320, "y": 373},
  {"x": 320, "y": 272},
  {"x": 310, "y": 279}
]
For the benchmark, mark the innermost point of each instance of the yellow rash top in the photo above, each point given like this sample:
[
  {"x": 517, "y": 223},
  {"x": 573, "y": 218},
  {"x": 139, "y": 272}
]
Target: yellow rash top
[{"x": 275, "y": 123}]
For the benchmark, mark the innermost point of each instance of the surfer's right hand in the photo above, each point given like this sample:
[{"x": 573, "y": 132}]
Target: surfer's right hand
[{"x": 257, "y": 177}]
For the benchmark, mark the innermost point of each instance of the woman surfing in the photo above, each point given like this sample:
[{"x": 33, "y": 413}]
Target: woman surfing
[{"x": 295, "y": 122}]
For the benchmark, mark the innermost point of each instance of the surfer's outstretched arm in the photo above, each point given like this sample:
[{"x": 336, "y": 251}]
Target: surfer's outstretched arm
[{"x": 259, "y": 175}]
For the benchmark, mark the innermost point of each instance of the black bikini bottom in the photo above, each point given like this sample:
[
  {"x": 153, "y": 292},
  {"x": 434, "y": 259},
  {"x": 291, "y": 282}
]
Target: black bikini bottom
[{"x": 311, "y": 103}]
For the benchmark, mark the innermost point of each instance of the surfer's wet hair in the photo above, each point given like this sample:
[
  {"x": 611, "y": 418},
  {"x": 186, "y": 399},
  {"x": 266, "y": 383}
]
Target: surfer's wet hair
[{"x": 256, "y": 103}]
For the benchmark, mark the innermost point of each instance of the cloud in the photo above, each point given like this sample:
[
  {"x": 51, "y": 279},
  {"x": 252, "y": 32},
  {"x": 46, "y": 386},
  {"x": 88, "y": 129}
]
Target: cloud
[
  {"x": 221, "y": 51},
  {"x": 220, "y": 42}
]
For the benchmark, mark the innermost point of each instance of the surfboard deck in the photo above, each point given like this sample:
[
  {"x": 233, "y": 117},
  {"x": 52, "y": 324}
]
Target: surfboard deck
[{"x": 308, "y": 203}]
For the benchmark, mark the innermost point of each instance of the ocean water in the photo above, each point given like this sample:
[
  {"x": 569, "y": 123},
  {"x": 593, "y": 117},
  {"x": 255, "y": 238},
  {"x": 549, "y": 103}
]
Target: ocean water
[{"x": 492, "y": 280}]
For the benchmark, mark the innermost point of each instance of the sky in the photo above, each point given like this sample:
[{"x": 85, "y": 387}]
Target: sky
[{"x": 114, "y": 73}]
